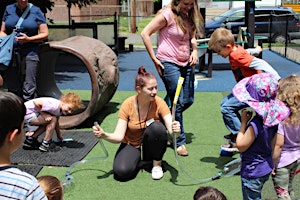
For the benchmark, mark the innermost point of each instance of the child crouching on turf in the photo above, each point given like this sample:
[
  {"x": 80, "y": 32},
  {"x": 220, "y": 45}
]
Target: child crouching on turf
[
  {"x": 255, "y": 135},
  {"x": 14, "y": 183},
  {"x": 42, "y": 114}
]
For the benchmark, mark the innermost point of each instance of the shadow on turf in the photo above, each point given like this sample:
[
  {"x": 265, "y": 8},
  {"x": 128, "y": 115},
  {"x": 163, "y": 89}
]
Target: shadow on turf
[
  {"x": 189, "y": 137},
  {"x": 105, "y": 174},
  {"x": 144, "y": 166},
  {"x": 219, "y": 161},
  {"x": 147, "y": 166},
  {"x": 108, "y": 109}
]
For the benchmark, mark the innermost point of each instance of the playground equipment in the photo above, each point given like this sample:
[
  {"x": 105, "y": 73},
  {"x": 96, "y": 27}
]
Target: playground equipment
[{"x": 102, "y": 66}]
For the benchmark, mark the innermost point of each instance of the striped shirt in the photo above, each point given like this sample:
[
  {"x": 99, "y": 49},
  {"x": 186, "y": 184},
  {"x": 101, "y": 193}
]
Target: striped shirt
[{"x": 16, "y": 184}]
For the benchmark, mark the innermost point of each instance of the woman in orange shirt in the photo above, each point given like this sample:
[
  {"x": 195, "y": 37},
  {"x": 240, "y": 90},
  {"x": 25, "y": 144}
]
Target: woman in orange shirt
[{"x": 144, "y": 120}]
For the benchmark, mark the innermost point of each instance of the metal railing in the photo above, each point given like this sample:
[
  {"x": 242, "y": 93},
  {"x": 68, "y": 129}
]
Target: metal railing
[{"x": 106, "y": 32}]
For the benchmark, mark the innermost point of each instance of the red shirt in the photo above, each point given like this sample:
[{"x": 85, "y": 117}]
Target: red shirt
[{"x": 240, "y": 60}]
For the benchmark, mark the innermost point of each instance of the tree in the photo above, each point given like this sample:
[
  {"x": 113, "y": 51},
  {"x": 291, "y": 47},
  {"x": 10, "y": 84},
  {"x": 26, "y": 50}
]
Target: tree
[
  {"x": 47, "y": 4},
  {"x": 43, "y": 4},
  {"x": 133, "y": 16},
  {"x": 78, "y": 3}
]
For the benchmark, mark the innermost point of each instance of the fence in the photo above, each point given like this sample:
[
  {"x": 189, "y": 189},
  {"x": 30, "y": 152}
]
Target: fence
[
  {"x": 288, "y": 44},
  {"x": 282, "y": 31},
  {"x": 106, "y": 32}
]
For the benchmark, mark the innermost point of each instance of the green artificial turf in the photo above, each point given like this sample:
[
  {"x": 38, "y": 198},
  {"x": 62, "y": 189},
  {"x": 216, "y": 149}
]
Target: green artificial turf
[{"x": 204, "y": 130}]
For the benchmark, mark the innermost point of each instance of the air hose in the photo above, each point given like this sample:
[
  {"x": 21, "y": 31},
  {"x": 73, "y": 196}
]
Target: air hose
[
  {"x": 229, "y": 169},
  {"x": 68, "y": 181}
]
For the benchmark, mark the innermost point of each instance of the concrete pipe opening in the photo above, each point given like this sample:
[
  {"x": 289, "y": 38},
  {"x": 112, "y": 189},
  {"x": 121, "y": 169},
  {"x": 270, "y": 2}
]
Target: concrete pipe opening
[{"x": 98, "y": 59}]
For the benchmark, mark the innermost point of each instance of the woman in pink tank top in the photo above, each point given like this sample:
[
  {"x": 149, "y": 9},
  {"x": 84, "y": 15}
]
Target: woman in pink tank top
[{"x": 177, "y": 26}]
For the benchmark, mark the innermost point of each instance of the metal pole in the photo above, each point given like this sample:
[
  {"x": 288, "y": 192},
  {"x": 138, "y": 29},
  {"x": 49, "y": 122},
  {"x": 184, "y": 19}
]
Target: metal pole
[
  {"x": 250, "y": 22},
  {"x": 128, "y": 14},
  {"x": 286, "y": 34}
]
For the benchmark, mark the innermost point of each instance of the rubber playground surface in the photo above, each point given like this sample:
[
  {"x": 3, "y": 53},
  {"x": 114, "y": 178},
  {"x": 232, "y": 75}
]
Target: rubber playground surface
[{"x": 222, "y": 78}]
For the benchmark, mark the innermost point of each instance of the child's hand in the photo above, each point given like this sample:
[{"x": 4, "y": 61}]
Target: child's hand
[
  {"x": 246, "y": 115},
  {"x": 259, "y": 49},
  {"x": 47, "y": 117}
]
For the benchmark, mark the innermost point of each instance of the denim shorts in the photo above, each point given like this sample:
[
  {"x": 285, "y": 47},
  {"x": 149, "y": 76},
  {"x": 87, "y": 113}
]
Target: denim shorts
[{"x": 27, "y": 120}]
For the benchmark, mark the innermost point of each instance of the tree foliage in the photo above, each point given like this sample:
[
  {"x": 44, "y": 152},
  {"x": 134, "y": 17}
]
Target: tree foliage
[
  {"x": 43, "y": 4},
  {"x": 80, "y": 3},
  {"x": 46, "y": 5}
]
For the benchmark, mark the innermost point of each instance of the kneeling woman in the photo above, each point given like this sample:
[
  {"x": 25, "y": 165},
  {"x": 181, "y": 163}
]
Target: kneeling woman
[{"x": 143, "y": 123}]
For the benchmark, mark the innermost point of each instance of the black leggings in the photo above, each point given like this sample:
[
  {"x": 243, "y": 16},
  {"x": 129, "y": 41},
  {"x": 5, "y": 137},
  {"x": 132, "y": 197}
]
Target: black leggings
[{"x": 127, "y": 158}]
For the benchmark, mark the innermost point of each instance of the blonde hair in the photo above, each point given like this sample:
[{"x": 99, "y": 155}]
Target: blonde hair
[
  {"x": 220, "y": 38},
  {"x": 73, "y": 99},
  {"x": 289, "y": 93},
  {"x": 193, "y": 17},
  {"x": 51, "y": 186}
]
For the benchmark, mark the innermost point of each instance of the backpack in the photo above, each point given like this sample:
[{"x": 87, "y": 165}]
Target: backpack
[{"x": 6, "y": 49}]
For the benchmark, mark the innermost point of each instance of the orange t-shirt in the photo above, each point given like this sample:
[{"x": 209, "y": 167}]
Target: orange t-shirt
[
  {"x": 135, "y": 127},
  {"x": 240, "y": 60}
]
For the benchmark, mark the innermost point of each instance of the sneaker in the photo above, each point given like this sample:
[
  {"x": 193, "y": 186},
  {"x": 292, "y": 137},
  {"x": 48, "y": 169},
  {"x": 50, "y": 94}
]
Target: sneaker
[
  {"x": 157, "y": 172},
  {"x": 31, "y": 143},
  {"x": 50, "y": 147},
  {"x": 230, "y": 137},
  {"x": 230, "y": 147},
  {"x": 44, "y": 147}
]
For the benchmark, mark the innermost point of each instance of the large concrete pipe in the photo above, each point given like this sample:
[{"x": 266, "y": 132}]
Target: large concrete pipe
[{"x": 102, "y": 66}]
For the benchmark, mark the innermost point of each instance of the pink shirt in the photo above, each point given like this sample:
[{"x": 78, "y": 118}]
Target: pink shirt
[{"x": 173, "y": 44}]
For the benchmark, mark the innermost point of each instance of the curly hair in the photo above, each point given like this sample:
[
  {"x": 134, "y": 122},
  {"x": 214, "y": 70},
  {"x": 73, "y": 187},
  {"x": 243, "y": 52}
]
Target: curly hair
[
  {"x": 73, "y": 99},
  {"x": 289, "y": 93}
]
